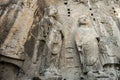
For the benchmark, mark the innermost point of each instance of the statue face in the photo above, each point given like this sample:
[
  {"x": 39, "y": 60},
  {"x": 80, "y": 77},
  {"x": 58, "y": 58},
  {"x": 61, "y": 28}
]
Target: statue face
[
  {"x": 52, "y": 10},
  {"x": 83, "y": 20}
]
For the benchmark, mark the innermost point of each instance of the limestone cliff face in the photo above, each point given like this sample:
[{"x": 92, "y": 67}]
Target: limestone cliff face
[{"x": 61, "y": 39}]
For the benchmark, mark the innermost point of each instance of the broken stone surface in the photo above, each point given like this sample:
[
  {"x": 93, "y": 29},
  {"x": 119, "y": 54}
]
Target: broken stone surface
[{"x": 60, "y": 39}]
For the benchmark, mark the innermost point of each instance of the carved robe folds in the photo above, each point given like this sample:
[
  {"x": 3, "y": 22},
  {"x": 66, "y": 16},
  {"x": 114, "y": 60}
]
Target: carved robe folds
[
  {"x": 86, "y": 40},
  {"x": 52, "y": 29},
  {"x": 54, "y": 41}
]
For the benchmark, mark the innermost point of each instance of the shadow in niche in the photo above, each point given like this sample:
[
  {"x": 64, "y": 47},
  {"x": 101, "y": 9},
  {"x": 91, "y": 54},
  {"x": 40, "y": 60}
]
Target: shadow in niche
[{"x": 36, "y": 78}]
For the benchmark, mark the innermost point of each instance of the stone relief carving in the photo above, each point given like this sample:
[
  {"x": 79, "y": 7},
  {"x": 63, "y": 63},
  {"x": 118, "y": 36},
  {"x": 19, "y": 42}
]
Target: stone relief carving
[
  {"x": 52, "y": 31},
  {"x": 87, "y": 44},
  {"x": 108, "y": 52},
  {"x": 89, "y": 53}
]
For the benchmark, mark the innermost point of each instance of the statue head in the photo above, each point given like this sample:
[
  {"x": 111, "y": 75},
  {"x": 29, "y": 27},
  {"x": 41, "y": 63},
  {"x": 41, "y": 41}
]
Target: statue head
[
  {"x": 83, "y": 20},
  {"x": 51, "y": 11}
]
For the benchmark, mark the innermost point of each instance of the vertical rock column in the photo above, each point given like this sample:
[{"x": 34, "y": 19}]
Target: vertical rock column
[{"x": 12, "y": 50}]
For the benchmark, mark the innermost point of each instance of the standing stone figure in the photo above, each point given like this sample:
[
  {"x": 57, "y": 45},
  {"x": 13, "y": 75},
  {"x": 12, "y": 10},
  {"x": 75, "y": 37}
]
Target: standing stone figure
[
  {"x": 52, "y": 30},
  {"x": 87, "y": 45}
]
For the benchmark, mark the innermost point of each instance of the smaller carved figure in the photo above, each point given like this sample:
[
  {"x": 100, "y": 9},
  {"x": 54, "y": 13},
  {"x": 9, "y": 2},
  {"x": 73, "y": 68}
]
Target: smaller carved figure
[{"x": 108, "y": 47}]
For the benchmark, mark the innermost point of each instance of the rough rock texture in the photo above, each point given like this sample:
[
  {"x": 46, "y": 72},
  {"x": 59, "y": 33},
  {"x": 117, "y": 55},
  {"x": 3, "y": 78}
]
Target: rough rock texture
[{"x": 60, "y": 39}]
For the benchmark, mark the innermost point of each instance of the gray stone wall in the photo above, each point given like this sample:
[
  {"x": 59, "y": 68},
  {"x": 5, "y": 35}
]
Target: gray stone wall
[{"x": 61, "y": 39}]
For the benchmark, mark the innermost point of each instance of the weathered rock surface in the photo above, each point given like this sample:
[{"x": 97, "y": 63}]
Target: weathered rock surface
[{"x": 60, "y": 39}]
